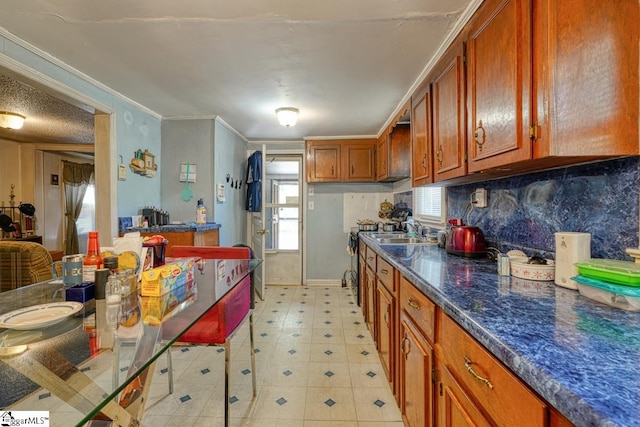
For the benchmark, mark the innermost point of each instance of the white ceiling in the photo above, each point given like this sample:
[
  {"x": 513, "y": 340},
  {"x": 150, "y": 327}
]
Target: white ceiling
[{"x": 347, "y": 65}]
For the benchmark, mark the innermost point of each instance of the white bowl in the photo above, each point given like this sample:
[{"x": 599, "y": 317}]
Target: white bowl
[{"x": 542, "y": 272}]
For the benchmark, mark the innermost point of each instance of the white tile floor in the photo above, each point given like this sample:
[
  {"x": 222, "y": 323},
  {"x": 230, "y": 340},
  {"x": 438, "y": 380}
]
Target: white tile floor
[{"x": 316, "y": 366}]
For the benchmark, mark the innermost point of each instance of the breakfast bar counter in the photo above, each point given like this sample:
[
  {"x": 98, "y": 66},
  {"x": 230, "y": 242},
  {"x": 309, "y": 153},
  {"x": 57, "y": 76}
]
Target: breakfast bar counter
[{"x": 581, "y": 356}]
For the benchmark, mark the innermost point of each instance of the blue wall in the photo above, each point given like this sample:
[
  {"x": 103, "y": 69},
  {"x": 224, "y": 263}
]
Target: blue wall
[
  {"x": 524, "y": 212},
  {"x": 135, "y": 128},
  {"x": 230, "y": 157}
]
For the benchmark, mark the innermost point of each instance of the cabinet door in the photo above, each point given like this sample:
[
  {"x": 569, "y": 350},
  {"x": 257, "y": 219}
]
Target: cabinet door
[
  {"x": 499, "y": 84},
  {"x": 449, "y": 130},
  {"x": 421, "y": 139},
  {"x": 385, "y": 315},
  {"x": 370, "y": 297},
  {"x": 455, "y": 407},
  {"x": 323, "y": 162},
  {"x": 382, "y": 157},
  {"x": 416, "y": 382},
  {"x": 358, "y": 161},
  {"x": 586, "y": 77}
]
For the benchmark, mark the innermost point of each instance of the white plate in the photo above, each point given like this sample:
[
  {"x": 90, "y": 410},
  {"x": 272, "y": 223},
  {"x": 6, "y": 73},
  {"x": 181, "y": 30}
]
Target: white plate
[{"x": 39, "y": 316}]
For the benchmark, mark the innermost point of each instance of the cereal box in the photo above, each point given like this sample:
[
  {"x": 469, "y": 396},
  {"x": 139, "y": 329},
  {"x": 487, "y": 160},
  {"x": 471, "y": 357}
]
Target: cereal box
[{"x": 161, "y": 280}]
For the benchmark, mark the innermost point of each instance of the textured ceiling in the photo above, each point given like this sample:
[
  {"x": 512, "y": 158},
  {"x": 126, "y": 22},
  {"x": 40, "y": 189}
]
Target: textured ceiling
[
  {"x": 49, "y": 119},
  {"x": 347, "y": 65}
]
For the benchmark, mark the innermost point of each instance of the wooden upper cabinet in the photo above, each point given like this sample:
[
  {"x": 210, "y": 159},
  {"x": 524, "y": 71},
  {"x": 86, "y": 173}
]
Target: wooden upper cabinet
[
  {"x": 499, "y": 84},
  {"x": 586, "y": 77},
  {"x": 323, "y": 161},
  {"x": 358, "y": 160},
  {"x": 393, "y": 156},
  {"x": 382, "y": 156},
  {"x": 341, "y": 160},
  {"x": 421, "y": 165},
  {"x": 449, "y": 131}
]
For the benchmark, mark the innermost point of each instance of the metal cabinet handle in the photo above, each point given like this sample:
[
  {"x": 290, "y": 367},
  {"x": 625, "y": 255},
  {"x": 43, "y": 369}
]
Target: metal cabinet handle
[
  {"x": 385, "y": 317},
  {"x": 406, "y": 343},
  {"x": 479, "y": 135},
  {"x": 384, "y": 271},
  {"x": 439, "y": 155},
  {"x": 474, "y": 374},
  {"x": 413, "y": 304},
  {"x": 424, "y": 162},
  {"x": 353, "y": 170},
  {"x": 331, "y": 169}
]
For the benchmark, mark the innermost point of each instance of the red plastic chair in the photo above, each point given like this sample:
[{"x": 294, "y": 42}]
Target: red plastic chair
[{"x": 219, "y": 324}]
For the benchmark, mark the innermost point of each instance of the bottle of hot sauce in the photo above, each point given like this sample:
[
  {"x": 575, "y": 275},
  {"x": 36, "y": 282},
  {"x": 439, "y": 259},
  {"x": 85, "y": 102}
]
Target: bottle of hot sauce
[{"x": 93, "y": 260}]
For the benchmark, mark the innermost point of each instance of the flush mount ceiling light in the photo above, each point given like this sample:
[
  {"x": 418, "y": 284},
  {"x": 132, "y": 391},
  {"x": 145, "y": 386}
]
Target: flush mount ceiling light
[
  {"x": 11, "y": 120},
  {"x": 287, "y": 116}
]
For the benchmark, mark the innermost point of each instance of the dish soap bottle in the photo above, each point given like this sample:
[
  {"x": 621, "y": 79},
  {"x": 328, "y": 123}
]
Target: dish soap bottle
[{"x": 201, "y": 212}]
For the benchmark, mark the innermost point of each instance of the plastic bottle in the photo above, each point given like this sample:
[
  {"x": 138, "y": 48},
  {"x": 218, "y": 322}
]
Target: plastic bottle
[
  {"x": 93, "y": 260},
  {"x": 201, "y": 212}
]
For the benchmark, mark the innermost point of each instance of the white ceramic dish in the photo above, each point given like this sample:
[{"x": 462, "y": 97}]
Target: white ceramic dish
[
  {"x": 39, "y": 316},
  {"x": 543, "y": 272}
]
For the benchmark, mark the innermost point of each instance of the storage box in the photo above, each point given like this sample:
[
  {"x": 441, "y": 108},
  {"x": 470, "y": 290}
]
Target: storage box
[
  {"x": 611, "y": 270},
  {"x": 155, "y": 309},
  {"x": 80, "y": 293},
  {"x": 619, "y": 296},
  {"x": 160, "y": 280}
]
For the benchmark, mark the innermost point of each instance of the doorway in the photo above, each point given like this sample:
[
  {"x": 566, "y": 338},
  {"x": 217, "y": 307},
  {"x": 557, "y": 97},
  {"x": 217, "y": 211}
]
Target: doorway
[{"x": 283, "y": 219}]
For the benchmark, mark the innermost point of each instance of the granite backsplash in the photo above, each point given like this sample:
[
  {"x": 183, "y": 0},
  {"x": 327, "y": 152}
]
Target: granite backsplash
[{"x": 525, "y": 211}]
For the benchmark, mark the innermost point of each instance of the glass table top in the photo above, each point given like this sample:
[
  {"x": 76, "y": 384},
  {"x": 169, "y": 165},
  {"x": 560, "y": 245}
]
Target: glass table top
[{"x": 72, "y": 358}]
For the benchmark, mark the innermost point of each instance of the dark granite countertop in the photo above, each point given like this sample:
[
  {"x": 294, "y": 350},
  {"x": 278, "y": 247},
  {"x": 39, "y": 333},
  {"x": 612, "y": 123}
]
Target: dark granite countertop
[
  {"x": 176, "y": 228},
  {"x": 581, "y": 356}
]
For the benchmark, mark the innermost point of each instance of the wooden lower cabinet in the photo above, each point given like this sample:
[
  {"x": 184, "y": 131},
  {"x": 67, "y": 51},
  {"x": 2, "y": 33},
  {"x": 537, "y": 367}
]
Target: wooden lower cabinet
[
  {"x": 455, "y": 406},
  {"x": 385, "y": 320},
  {"x": 415, "y": 376},
  {"x": 188, "y": 238},
  {"x": 503, "y": 398},
  {"x": 370, "y": 301}
]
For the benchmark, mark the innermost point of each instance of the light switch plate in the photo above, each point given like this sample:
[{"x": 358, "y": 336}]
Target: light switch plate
[{"x": 122, "y": 172}]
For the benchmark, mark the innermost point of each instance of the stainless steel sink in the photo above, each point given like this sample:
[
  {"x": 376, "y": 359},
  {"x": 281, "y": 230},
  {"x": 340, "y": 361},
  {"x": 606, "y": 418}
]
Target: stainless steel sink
[
  {"x": 403, "y": 241},
  {"x": 391, "y": 235}
]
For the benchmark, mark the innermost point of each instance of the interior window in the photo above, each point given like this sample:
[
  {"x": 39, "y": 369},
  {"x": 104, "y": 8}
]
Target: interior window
[
  {"x": 429, "y": 204},
  {"x": 86, "y": 221}
]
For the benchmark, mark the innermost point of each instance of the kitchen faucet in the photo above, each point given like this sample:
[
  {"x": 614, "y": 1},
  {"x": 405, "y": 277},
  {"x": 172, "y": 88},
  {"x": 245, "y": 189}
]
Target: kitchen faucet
[{"x": 417, "y": 227}]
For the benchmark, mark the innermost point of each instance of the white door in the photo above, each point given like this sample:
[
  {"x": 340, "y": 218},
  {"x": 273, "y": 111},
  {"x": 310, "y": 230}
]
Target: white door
[
  {"x": 257, "y": 233},
  {"x": 283, "y": 219}
]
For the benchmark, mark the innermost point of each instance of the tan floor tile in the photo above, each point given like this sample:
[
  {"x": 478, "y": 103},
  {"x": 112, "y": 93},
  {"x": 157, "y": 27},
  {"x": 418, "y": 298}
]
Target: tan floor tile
[
  {"x": 328, "y": 353},
  {"x": 362, "y": 353},
  {"x": 328, "y": 403},
  {"x": 289, "y": 374},
  {"x": 329, "y": 375},
  {"x": 327, "y": 336},
  {"x": 280, "y": 403},
  {"x": 291, "y": 351},
  {"x": 325, "y": 423},
  {"x": 368, "y": 375},
  {"x": 376, "y": 404}
]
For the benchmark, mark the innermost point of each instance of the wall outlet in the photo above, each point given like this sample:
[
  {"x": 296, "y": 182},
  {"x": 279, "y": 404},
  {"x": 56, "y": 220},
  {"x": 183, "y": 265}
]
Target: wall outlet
[
  {"x": 479, "y": 198},
  {"x": 311, "y": 206}
]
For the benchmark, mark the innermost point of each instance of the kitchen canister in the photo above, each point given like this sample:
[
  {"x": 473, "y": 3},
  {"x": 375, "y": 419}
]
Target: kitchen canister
[
  {"x": 72, "y": 269},
  {"x": 571, "y": 247}
]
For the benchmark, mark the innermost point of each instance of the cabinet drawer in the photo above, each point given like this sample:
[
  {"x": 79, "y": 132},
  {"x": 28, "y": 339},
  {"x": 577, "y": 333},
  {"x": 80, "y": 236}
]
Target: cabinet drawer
[
  {"x": 370, "y": 258},
  {"x": 418, "y": 307},
  {"x": 385, "y": 274},
  {"x": 500, "y": 393}
]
